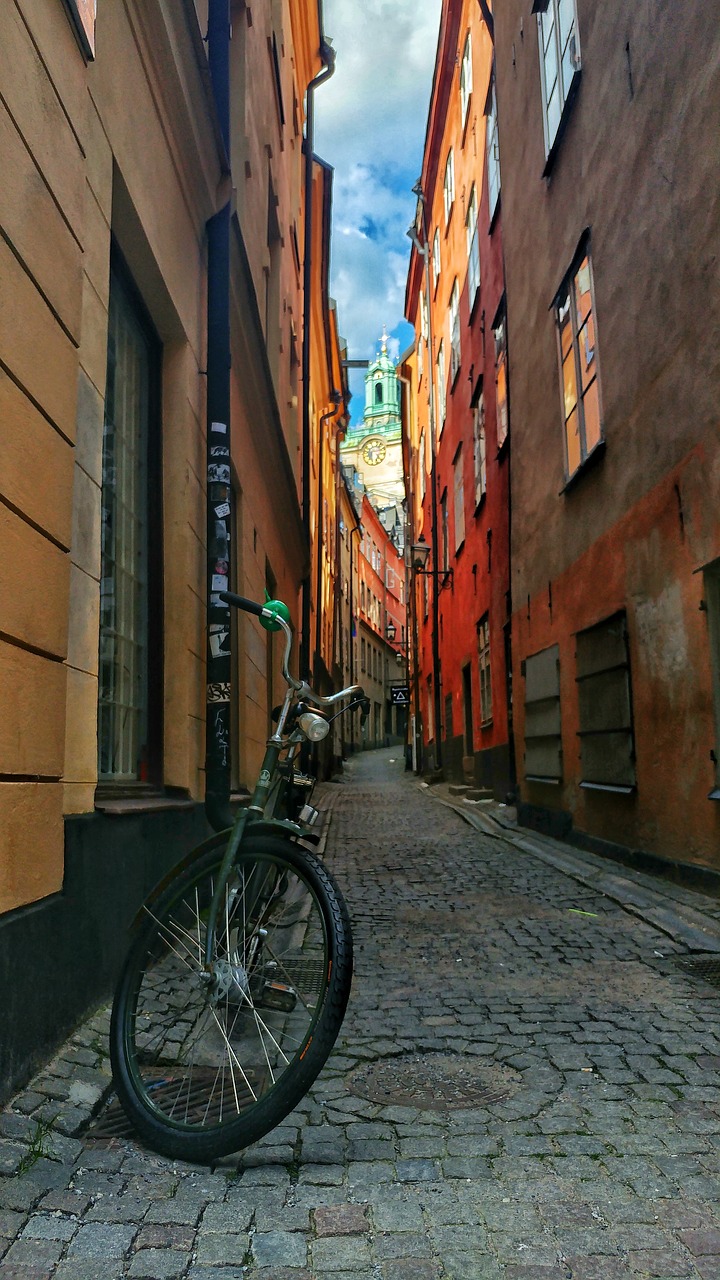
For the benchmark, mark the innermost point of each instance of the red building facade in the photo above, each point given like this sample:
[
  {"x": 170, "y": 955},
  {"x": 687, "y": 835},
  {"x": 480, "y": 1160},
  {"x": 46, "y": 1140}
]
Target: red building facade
[{"x": 457, "y": 418}]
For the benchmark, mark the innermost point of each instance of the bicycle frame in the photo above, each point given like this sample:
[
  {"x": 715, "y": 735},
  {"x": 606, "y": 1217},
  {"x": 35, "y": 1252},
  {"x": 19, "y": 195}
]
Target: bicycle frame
[{"x": 254, "y": 815}]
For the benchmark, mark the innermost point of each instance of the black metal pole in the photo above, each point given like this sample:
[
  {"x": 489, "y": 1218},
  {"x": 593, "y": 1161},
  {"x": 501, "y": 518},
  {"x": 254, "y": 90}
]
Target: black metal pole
[{"x": 219, "y": 486}]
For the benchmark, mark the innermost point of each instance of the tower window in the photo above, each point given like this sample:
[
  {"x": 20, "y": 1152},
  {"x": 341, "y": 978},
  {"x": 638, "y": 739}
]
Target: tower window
[{"x": 378, "y": 393}]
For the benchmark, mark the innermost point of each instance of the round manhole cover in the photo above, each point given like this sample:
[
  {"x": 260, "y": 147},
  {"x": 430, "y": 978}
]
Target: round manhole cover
[{"x": 434, "y": 1082}]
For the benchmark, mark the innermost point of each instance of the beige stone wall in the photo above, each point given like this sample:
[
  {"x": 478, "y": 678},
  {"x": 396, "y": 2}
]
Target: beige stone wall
[{"x": 122, "y": 145}]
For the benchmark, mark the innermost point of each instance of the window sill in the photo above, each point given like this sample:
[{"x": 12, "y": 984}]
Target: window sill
[
  {"x": 714, "y": 794},
  {"x": 120, "y": 806},
  {"x": 503, "y": 448},
  {"x": 480, "y": 504},
  {"x": 474, "y": 303},
  {"x": 459, "y": 548},
  {"x": 607, "y": 786},
  {"x": 587, "y": 464},
  {"x": 486, "y": 724},
  {"x": 538, "y": 777}
]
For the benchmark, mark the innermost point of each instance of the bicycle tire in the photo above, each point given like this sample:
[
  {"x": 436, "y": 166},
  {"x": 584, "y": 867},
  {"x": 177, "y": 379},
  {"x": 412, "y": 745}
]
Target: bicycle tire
[{"x": 201, "y": 1074}]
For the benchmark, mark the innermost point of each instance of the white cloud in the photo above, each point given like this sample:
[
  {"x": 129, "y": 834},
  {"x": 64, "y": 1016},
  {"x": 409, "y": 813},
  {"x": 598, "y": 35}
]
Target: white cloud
[{"x": 370, "y": 126}]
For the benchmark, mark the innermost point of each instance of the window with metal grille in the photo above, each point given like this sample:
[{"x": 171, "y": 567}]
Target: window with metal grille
[
  {"x": 483, "y": 641},
  {"x": 607, "y": 745},
  {"x": 543, "y": 740},
  {"x": 130, "y": 663}
]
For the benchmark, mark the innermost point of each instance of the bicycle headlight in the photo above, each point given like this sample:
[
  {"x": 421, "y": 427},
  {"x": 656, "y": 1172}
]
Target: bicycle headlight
[{"x": 313, "y": 726}]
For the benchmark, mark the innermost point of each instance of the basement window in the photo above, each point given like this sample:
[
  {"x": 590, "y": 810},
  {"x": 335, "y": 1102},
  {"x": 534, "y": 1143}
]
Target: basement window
[{"x": 607, "y": 742}]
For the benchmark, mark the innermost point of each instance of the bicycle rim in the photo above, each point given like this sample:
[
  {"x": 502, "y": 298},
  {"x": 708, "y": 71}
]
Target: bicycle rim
[{"x": 205, "y": 1067}]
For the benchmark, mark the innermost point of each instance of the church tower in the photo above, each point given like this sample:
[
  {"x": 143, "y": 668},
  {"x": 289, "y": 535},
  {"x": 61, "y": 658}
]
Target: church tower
[{"x": 373, "y": 447}]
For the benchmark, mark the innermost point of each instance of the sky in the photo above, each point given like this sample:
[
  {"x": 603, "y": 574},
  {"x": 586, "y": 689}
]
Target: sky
[{"x": 370, "y": 120}]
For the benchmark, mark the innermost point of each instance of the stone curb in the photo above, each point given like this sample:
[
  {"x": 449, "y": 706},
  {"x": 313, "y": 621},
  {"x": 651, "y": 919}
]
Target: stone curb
[{"x": 685, "y": 925}]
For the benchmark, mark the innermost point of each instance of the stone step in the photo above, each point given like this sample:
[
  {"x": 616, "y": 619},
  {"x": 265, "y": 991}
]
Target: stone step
[
  {"x": 458, "y": 789},
  {"x": 478, "y": 793}
]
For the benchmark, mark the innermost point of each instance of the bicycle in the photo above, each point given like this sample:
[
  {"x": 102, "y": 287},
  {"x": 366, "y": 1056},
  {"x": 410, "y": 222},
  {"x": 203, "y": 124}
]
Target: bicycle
[{"x": 236, "y": 982}]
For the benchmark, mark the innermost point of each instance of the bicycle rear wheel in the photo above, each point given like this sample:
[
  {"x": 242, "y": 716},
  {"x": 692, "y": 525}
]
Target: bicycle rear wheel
[{"x": 205, "y": 1066}]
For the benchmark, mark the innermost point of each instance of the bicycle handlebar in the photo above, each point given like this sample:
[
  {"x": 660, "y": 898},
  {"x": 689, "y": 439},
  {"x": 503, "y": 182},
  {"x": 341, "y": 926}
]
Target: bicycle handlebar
[
  {"x": 242, "y": 602},
  {"x": 301, "y": 686}
]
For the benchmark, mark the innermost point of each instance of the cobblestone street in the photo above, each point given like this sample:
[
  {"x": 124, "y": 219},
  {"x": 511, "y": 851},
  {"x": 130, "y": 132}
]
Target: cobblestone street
[{"x": 525, "y": 1086}]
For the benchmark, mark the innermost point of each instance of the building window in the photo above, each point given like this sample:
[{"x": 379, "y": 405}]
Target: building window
[
  {"x": 424, "y": 315},
  {"x": 421, "y": 465},
  {"x": 483, "y": 640},
  {"x": 83, "y": 14},
  {"x": 479, "y": 450},
  {"x": 711, "y": 581},
  {"x": 454, "y": 332},
  {"x": 445, "y": 534},
  {"x": 430, "y": 717},
  {"x": 501, "y": 387},
  {"x": 577, "y": 344},
  {"x": 449, "y": 185},
  {"x": 362, "y": 655},
  {"x": 493, "y": 153},
  {"x": 607, "y": 746},
  {"x": 465, "y": 78},
  {"x": 130, "y": 682},
  {"x": 436, "y": 256},
  {"x": 559, "y": 62},
  {"x": 459, "y": 499},
  {"x": 543, "y": 740},
  {"x": 473, "y": 247},
  {"x": 441, "y": 401}
]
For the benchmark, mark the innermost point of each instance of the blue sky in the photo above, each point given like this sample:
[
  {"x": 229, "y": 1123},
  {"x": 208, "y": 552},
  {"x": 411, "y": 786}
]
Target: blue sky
[{"x": 370, "y": 126}]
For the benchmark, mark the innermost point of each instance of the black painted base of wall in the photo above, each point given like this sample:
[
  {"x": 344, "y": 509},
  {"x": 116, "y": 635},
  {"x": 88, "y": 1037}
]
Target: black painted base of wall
[
  {"x": 558, "y": 824},
  {"x": 60, "y": 957},
  {"x": 492, "y": 768}
]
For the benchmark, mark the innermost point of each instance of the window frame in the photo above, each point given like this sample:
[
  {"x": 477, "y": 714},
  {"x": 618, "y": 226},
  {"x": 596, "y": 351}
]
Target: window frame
[
  {"x": 479, "y": 448},
  {"x": 459, "y": 499},
  {"x": 442, "y": 395},
  {"x": 566, "y": 293},
  {"x": 466, "y": 80},
  {"x": 484, "y": 670},
  {"x": 502, "y": 404},
  {"x": 596, "y": 673},
  {"x": 473, "y": 248},
  {"x": 111, "y": 786},
  {"x": 454, "y": 322},
  {"x": 566, "y": 93},
  {"x": 437, "y": 265},
  {"x": 449, "y": 185},
  {"x": 492, "y": 151}
]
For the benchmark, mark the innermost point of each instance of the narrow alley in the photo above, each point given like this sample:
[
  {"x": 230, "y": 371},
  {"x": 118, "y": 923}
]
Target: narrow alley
[{"x": 525, "y": 1086}]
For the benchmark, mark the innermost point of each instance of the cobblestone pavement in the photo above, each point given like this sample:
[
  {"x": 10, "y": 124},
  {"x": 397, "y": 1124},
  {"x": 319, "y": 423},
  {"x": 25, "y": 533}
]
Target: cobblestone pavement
[{"x": 526, "y": 1086}]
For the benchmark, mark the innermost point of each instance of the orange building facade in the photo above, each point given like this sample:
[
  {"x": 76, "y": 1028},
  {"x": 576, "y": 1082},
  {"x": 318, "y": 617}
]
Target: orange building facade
[{"x": 611, "y": 228}]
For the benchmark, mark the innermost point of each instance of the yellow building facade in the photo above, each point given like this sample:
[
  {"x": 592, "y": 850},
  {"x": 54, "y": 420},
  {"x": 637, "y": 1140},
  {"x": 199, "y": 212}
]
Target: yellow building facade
[{"x": 114, "y": 162}]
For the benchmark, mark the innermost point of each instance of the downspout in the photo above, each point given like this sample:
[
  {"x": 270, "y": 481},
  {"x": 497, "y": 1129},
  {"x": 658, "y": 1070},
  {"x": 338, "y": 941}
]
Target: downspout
[
  {"x": 351, "y": 656},
  {"x": 331, "y": 413},
  {"x": 410, "y": 584},
  {"x": 219, "y": 487},
  {"x": 327, "y": 56}
]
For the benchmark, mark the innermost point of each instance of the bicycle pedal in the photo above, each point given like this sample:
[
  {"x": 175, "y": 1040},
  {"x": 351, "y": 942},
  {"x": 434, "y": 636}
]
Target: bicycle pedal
[{"x": 277, "y": 995}]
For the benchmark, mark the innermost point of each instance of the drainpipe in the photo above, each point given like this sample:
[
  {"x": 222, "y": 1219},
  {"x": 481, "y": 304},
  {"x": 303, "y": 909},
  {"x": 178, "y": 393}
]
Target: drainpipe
[
  {"x": 489, "y": 21},
  {"x": 357, "y": 528},
  {"x": 219, "y": 488},
  {"x": 338, "y": 404},
  {"x": 327, "y": 56}
]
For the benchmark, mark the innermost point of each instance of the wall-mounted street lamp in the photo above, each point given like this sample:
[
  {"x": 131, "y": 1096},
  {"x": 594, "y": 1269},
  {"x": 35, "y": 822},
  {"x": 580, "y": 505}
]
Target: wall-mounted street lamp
[{"x": 420, "y": 554}]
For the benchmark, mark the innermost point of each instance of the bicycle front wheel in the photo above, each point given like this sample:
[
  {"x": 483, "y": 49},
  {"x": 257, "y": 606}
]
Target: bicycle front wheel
[{"x": 207, "y": 1064}]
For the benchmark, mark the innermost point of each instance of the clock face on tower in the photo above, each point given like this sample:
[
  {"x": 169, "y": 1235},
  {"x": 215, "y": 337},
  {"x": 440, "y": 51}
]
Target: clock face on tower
[{"x": 373, "y": 452}]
